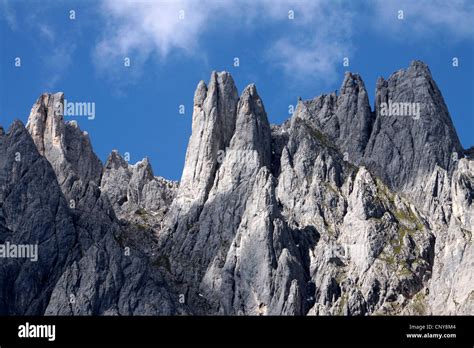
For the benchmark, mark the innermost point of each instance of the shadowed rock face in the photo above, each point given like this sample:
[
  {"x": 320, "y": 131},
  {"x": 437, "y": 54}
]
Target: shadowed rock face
[
  {"x": 340, "y": 210},
  {"x": 345, "y": 119},
  {"x": 83, "y": 267},
  {"x": 403, "y": 149},
  {"x": 32, "y": 211}
]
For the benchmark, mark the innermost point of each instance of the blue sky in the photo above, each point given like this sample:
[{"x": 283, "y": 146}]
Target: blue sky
[{"x": 137, "y": 107}]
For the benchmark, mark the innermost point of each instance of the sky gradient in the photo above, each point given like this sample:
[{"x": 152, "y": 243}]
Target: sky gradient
[{"x": 172, "y": 45}]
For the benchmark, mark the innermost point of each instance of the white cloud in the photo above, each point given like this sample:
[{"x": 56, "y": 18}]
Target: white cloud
[
  {"x": 315, "y": 41},
  {"x": 140, "y": 30},
  {"x": 314, "y": 61},
  {"x": 311, "y": 46},
  {"x": 151, "y": 27},
  {"x": 155, "y": 26}
]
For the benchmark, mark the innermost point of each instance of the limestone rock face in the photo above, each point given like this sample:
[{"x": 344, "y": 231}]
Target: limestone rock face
[
  {"x": 88, "y": 262},
  {"x": 404, "y": 150},
  {"x": 33, "y": 211},
  {"x": 135, "y": 192},
  {"x": 64, "y": 145},
  {"x": 340, "y": 210},
  {"x": 451, "y": 288},
  {"x": 345, "y": 119},
  {"x": 213, "y": 126}
]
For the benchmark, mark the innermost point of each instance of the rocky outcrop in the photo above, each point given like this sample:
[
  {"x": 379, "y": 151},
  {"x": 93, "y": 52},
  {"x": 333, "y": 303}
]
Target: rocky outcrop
[
  {"x": 88, "y": 263},
  {"x": 451, "y": 288},
  {"x": 345, "y": 118},
  {"x": 135, "y": 192},
  {"x": 213, "y": 126},
  {"x": 65, "y": 146},
  {"x": 33, "y": 211},
  {"x": 340, "y": 210},
  {"x": 404, "y": 150}
]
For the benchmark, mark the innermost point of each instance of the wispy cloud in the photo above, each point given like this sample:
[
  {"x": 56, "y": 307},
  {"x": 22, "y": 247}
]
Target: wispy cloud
[
  {"x": 57, "y": 54},
  {"x": 9, "y": 14},
  {"x": 317, "y": 38},
  {"x": 311, "y": 59},
  {"x": 312, "y": 46},
  {"x": 46, "y": 32},
  {"x": 57, "y": 63},
  {"x": 51, "y": 45},
  {"x": 424, "y": 19},
  {"x": 147, "y": 27},
  {"x": 317, "y": 43}
]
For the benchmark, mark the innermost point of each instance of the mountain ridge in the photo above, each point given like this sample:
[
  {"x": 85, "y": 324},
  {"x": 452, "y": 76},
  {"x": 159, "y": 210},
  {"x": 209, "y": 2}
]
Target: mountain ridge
[{"x": 339, "y": 210}]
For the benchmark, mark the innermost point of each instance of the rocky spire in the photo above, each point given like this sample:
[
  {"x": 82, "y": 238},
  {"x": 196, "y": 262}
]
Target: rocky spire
[
  {"x": 413, "y": 132},
  {"x": 266, "y": 221},
  {"x": 354, "y": 115},
  {"x": 213, "y": 126},
  {"x": 345, "y": 119},
  {"x": 46, "y": 125},
  {"x": 252, "y": 131},
  {"x": 134, "y": 190},
  {"x": 64, "y": 145}
]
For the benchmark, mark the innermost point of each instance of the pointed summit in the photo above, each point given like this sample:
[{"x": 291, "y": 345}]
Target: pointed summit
[
  {"x": 115, "y": 161},
  {"x": 213, "y": 126},
  {"x": 413, "y": 132},
  {"x": 64, "y": 145},
  {"x": 345, "y": 119},
  {"x": 252, "y": 127},
  {"x": 46, "y": 124},
  {"x": 354, "y": 115}
]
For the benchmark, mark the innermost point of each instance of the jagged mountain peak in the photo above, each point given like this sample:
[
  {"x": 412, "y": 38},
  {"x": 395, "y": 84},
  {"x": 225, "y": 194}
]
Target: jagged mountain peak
[
  {"x": 133, "y": 188},
  {"x": 410, "y": 125},
  {"x": 64, "y": 145},
  {"x": 340, "y": 210},
  {"x": 420, "y": 66},
  {"x": 351, "y": 84},
  {"x": 251, "y": 103},
  {"x": 413, "y": 128},
  {"x": 115, "y": 160},
  {"x": 345, "y": 118},
  {"x": 252, "y": 131},
  {"x": 46, "y": 124},
  {"x": 416, "y": 68},
  {"x": 200, "y": 93},
  {"x": 221, "y": 86},
  {"x": 250, "y": 89}
]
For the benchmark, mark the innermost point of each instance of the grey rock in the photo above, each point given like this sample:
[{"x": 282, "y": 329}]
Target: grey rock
[
  {"x": 33, "y": 211},
  {"x": 345, "y": 119},
  {"x": 65, "y": 146},
  {"x": 451, "y": 288},
  {"x": 89, "y": 263},
  {"x": 401, "y": 149},
  {"x": 340, "y": 210},
  {"x": 135, "y": 192}
]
